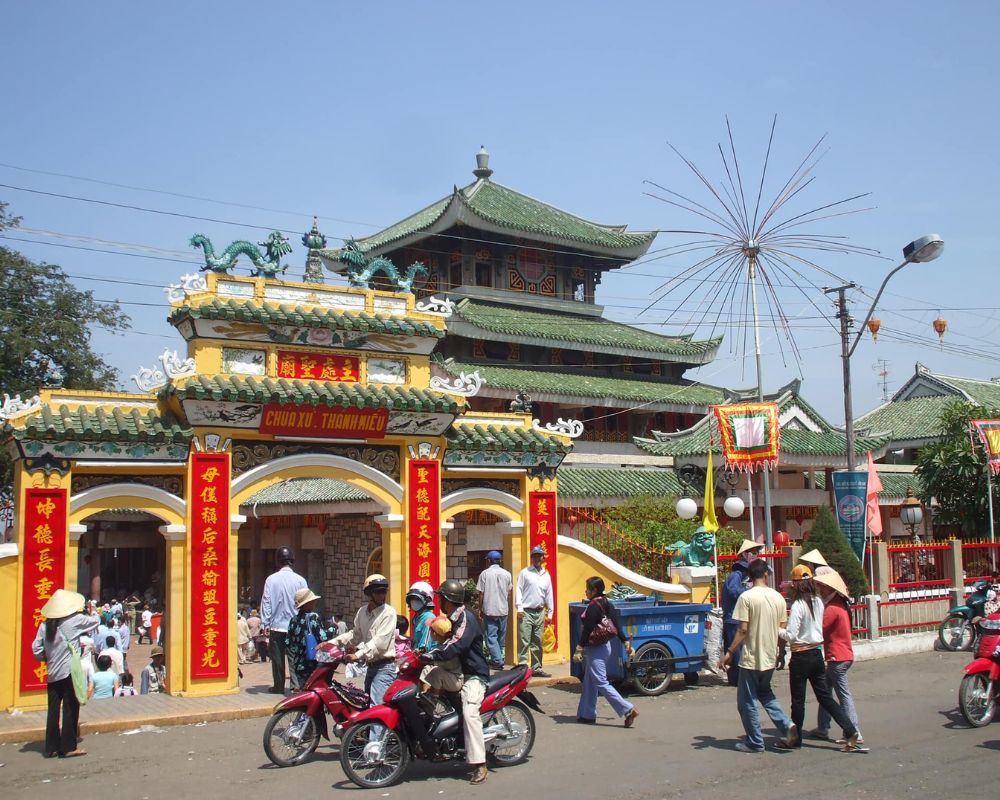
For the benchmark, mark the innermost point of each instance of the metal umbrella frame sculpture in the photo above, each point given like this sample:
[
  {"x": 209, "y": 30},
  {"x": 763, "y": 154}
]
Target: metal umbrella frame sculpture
[{"x": 746, "y": 244}]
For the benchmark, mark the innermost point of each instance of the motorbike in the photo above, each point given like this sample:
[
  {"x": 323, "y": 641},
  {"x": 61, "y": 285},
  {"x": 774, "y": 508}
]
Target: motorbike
[
  {"x": 378, "y": 744},
  {"x": 297, "y": 722},
  {"x": 977, "y": 694},
  {"x": 957, "y": 631}
]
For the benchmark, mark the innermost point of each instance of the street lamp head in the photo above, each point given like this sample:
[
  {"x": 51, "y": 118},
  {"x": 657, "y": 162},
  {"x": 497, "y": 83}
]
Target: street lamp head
[
  {"x": 910, "y": 513},
  {"x": 924, "y": 249},
  {"x": 686, "y": 508}
]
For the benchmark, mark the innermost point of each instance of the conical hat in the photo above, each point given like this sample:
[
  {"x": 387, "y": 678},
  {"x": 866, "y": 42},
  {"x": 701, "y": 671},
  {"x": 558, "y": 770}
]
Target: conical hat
[
  {"x": 62, "y": 604},
  {"x": 748, "y": 544},
  {"x": 814, "y": 557},
  {"x": 834, "y": 581}
]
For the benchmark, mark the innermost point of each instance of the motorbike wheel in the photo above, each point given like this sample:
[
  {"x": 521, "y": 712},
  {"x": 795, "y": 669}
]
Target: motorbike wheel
[
  {"x": 976, "y": 699},
  {"x": 290, "y": 737},
  {"x": 519, "y": 736},
  {"x": 956, "y": 633},
  {"x": 652, "y": 679},
  {"x": 373, "y": 755}
]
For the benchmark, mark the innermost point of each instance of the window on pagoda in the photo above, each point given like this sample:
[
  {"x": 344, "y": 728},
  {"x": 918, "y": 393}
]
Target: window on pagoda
[{"x": 484, "y": 273}]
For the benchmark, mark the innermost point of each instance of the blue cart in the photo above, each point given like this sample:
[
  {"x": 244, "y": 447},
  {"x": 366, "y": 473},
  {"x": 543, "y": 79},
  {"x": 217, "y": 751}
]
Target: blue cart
[{"x": 667, "y": 638}]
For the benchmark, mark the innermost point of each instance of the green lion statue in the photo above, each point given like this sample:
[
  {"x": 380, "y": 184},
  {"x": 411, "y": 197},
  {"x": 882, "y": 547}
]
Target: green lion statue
[{"x": 696, "y": 553}]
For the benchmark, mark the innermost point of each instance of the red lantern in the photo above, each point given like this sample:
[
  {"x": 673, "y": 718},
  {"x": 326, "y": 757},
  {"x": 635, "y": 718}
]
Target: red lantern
[
  {"x": 940, "y": 326},
  {"x": 782, "y": 539},
  {"x": 873, "y": 326},
  {"x": 571, "y": 520}
]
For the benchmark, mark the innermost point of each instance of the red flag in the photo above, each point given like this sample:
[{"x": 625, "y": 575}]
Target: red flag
[{"x": 874, "y": 487}]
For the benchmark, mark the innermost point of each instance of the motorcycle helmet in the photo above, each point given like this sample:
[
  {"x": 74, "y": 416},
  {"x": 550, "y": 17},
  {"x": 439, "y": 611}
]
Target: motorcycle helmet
[
  {"x": 284, "y": 555},
  {"x": 452, "y": 590},
  {"x": 375, "y": 582},
  {"x": 420, "y": 596},
  {"x": 494, "y": 556}
]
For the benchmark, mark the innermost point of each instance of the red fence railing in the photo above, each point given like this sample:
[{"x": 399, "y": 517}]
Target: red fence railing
[
  {"x": 918, "y": 566},
  {"x": 979, "y": 560}
]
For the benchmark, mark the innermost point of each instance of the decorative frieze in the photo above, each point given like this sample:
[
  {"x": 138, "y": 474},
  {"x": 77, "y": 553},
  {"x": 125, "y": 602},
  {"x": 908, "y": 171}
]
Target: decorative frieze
[
  {"x": 465, "y": 385},
  {"x": 561, "y": 427}
]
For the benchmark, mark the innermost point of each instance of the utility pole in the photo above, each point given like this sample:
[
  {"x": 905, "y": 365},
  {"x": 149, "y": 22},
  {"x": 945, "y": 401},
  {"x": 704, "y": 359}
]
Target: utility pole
[{"x": 845, "y": 353}]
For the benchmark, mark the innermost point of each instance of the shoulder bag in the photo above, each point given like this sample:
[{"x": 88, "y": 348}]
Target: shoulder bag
[
  {"x": 76, "y": 671},
  {"x": 604, "y": 631}
]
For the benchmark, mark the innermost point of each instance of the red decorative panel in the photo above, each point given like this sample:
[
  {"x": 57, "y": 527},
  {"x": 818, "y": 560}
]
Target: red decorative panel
[
  {"x": 424, "y": 520},
  {"x": 209, "y": 565},
  {"x": 317, "y": 367},
  {"x": 44, "y": 555},
  {"x": 542, "y": 533}
]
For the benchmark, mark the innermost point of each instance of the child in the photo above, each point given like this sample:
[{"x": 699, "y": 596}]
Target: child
[
  {"x": 105, "y": 681},
  {"x": 126, "y": 689},
  {"x": 445, "y": 676},
  {"x": 403, "y": 642}
]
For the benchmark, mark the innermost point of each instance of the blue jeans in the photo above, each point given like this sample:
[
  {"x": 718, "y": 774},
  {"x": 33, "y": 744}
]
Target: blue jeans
[
  {"x": 836, "y": 676},
  {"x": 496, "y": 637},
  {"x": 755, "y": 687},
  {"x": 595, "y": 682},
  {"x": 378, "y": 679},
  {"x": 729, "y": 631}
]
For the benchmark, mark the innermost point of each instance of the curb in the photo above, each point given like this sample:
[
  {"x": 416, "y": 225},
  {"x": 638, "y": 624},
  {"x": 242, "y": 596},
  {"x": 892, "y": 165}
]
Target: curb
[{"x": 887, "y": 646}]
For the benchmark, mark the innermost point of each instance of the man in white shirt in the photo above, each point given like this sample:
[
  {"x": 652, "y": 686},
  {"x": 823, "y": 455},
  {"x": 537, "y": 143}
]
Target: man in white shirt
[
  {"x": 111, "y": 649},
  {"x": 535, "y": 606},
  {"x": 121, "y": 628},
  {"x": 494, "y": 587},
  {"x": 145, "y": 623},
  {"x": 373, "y": 639},
  {"x": 277, "y": 607}
]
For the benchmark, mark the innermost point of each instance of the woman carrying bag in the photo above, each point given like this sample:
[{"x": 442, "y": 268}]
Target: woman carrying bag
[
  {"x": 305, "y": 631},
  {"x": 601, "y": 624},
  {"x": 57, "y": 643}
]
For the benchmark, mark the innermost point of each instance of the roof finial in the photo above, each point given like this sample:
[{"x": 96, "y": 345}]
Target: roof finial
[{"x": 482, "y": 170}]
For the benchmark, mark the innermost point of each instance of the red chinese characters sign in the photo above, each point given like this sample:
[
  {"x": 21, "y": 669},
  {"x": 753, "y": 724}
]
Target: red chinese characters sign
[
  {"x": 424, "y": 519},
  {"x": 328, "y": 422},
  {"x": 542, "y": 533},
  {"x": 44, "y": 555},
  {"x": 317, "y": 367},
  {"x": 209, "y": 565}
]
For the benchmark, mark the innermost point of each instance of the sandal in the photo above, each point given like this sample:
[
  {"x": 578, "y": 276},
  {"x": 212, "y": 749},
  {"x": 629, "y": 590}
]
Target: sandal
[
  {"x": 73, "y": 754},
  {"x": 630, "y": 717}
]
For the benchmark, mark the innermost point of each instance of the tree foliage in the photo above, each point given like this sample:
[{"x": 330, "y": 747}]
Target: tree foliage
[
  {"x": 827, "y": 537},
  {"x": 652, "y": 520},
  {"x": 953, "y": 471},
  {"x": 45, "y": 322}
]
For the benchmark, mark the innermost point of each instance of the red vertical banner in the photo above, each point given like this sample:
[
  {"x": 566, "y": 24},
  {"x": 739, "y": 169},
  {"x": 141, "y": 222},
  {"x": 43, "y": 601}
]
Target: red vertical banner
[
  {"x": 209, "y": 565},
  {"x": 542, "y": 533},
  {"x": 424, "y": 520},
  {"x": 44, "y": 556}
]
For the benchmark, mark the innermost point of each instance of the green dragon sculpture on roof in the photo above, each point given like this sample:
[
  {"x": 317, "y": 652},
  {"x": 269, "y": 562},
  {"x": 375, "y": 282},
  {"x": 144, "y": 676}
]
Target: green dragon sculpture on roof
[
  {"x": 361, "y": 271},
  {"x": 267, "y": 264}
]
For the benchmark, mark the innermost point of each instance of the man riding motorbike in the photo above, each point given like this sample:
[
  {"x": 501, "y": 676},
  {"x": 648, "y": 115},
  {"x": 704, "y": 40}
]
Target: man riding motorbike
[
  {"x": 373, "y": 638},
  {"x": 466, "y": 644}
]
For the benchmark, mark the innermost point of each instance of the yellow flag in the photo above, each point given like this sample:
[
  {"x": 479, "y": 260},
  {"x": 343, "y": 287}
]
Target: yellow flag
[{"x": 709, "y": 521}]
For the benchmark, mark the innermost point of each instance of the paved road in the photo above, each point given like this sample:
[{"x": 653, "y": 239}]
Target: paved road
[{"x": 682, "y": 746}]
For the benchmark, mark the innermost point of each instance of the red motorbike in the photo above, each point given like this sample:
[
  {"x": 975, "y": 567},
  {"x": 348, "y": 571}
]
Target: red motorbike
[
  {"x": 977, "y": 696},
  {"x": 292, "y": 734},
  {"x": 378, "y": 744}
]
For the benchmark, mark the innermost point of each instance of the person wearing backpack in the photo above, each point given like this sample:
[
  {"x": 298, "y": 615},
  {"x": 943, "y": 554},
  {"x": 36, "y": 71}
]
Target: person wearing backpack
[
  {"x": 601, "y": 624},
  {"x": 57, "y": 644}
]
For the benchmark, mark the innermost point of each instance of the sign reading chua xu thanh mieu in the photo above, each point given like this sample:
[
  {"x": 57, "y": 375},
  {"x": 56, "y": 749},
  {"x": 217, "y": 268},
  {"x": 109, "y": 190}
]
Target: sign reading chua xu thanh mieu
[{"x": 321, "y": 421}]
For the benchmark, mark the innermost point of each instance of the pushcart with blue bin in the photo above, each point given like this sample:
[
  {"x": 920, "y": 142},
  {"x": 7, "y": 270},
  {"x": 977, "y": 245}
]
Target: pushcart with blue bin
[{"x": 666, "y": 637}]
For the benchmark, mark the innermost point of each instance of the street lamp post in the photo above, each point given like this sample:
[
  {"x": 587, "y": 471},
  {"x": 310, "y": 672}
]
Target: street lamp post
[{"x": 919, "y": 251}]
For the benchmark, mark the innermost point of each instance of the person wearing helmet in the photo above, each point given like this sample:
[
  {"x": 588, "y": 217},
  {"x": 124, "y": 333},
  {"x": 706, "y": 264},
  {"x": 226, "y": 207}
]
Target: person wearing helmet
[
  {"x": 277, "y": 607},
  {"x": 372, "y": 641},
  {"x": 465, "y": 644},
  {"x": 420, "y": 601},
  {"x": 535, "y": 606},
  {"x": 494, "y": 587}
]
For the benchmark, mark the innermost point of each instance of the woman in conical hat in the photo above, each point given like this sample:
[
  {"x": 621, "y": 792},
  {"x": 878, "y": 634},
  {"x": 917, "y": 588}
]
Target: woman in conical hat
[
  {"x": 64, "y": 624},
  {"x": 814, "y": 558}
]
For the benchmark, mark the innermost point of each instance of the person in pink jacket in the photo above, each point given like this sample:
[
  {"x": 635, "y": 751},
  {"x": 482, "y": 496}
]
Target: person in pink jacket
[{"x": 837, "y": 648}]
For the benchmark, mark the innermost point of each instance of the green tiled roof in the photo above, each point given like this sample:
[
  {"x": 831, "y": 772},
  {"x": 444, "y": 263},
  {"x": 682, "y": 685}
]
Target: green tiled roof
[
  {"x": 504, "y": 438},
  {"x": 555, "y": 381},
  {"x": 793, "y": 442},
  {"x": 619, "y": 482},
  {"x": 893, "y": 483},
  {"x": 100, "y": 425},
  {"x": 595, "y": 332},
  {"x": 984, "y": 393},
  {"x": 505, "y": 208},
  {"x": 245, "y": 389},
  {"x": 307, "y": 490},
  {"x": 242, "y": 310},
  {"x": 919, "y": 418}
]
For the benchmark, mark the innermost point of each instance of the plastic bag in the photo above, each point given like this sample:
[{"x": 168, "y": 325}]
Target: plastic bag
[
  {"x": 549, "y": 639},
  {"x": 713, "y": 642}
]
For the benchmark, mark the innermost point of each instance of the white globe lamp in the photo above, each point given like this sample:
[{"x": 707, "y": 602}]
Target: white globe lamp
[
  {"x": 733, "y": 507},
  {"x": 686, "y": 508}
]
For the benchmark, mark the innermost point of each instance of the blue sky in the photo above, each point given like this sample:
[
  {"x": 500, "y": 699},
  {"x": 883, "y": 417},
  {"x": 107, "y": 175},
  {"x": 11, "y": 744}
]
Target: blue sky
[{"x": 363, "y": 113}]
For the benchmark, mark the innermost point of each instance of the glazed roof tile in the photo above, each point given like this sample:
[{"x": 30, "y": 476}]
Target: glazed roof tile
[
  {"x": 596, "y": 333},
  {"x": 505, "y": 208},
  {"x": 245, "y": 389},
  {"x": 894, "y": 484},
  {"x": 503, "y": 438},
  {"x": 307, "y": 490},
  {"x": 619, "y": 482},
  {"x": 597, "y": 388},
  {"x": 919, "y": 418},
  {"x": 101, "y": 425},
  {"x": 244, "y": 310}
]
